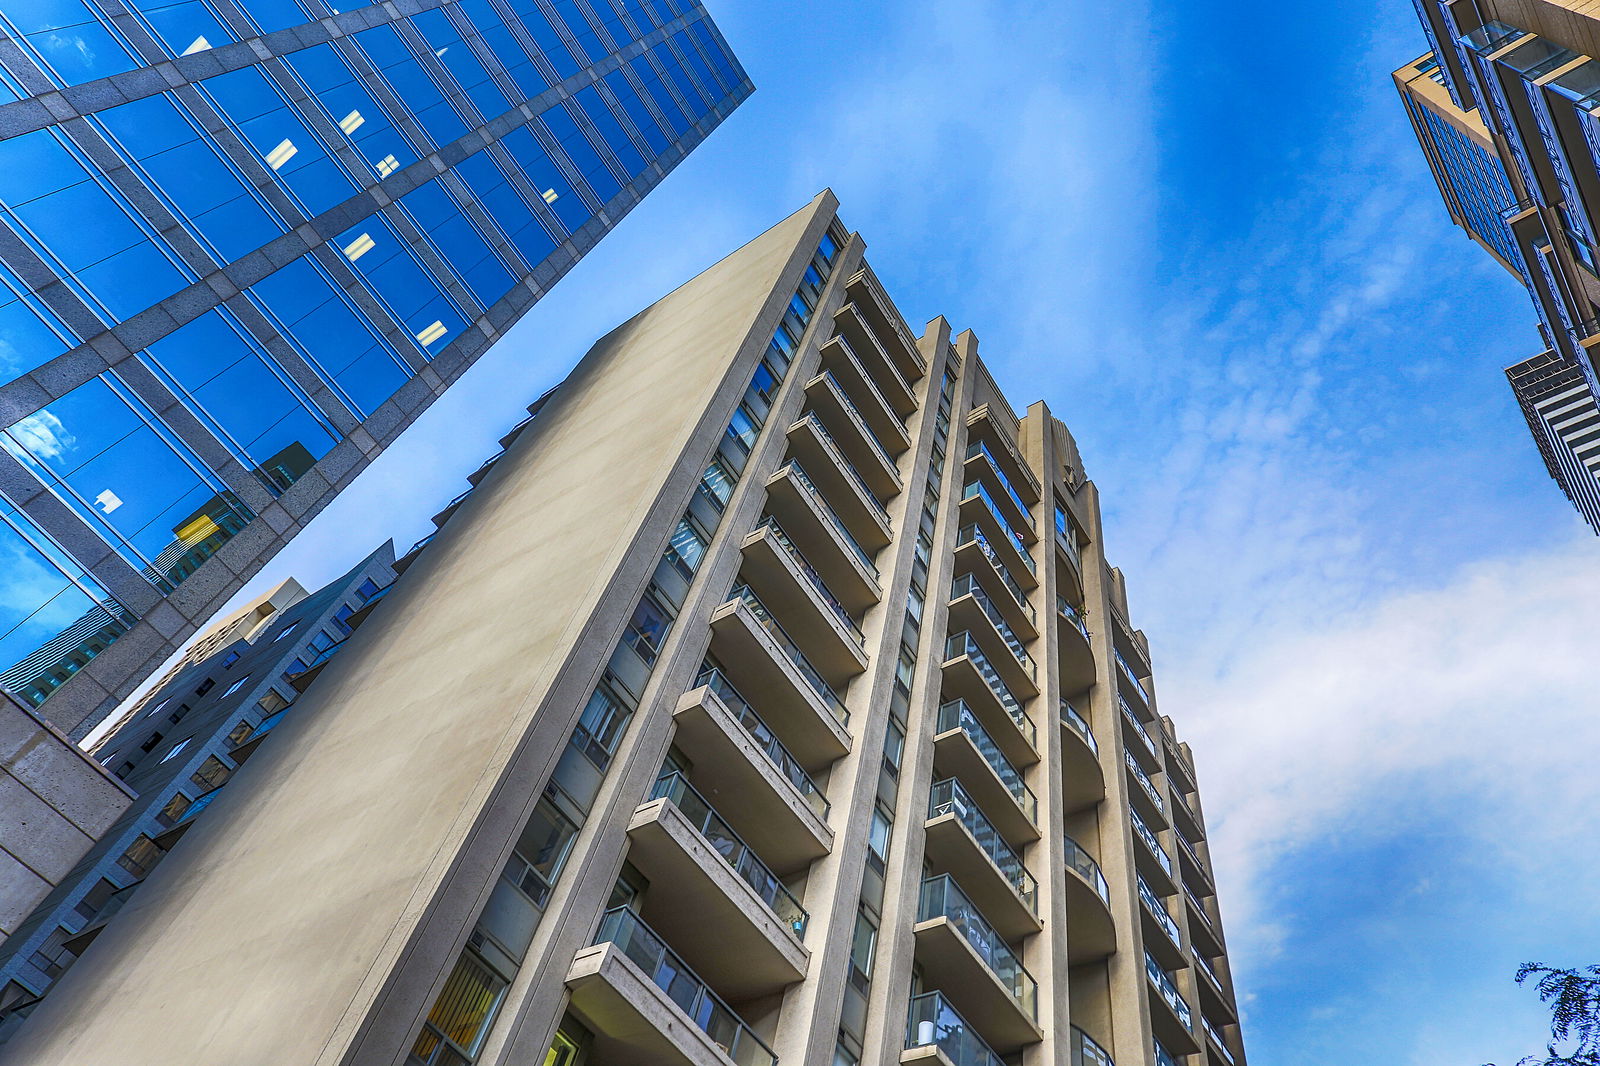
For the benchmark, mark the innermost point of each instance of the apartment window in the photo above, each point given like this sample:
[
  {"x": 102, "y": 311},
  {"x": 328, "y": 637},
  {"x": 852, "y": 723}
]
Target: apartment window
[
  {"x": 231, "y": 658},
  {"x": 236, "y": 686},
  {"x": 52, "y": 958},
  {"x": 763, "y": 386},
  {"x": 150, "y": 742},
  {"x": 174, "y": 810},
  {"x": 545, "y": 843},
  {"x": 863, "y": 941},
  {"x": 563, "y": 1051},
  {"x": 647, "y": 629},
  {"x": 718, "y": 482},
  {"x": 341, "y": 618},
  {"x": 205, "y": 686},
  {"x": 686, "y": 548},
  {"x": 271, "y": 703},
  {"x": 914, "y": 604},
  {"x": 843, "y": 1056},
  {"x": 177, "y": 716},
  {"x": 367, "y": 590},
  {"x": 322, "y": 641},
  {"x": 177, "y": 749},
  {"x": 94, "y": 899},
  {"x": 894, "y": 747},
  {"x": 141, "y": 857},
  {"x": 212, "y": 773},
  {"x": 123, "y": 771},
  {"x": 600, "y": 726},
  {"x": 878, "y": 838},
  {"x": 241, "y": 733},
  {"x": 743, "y": 430},
  {"x": 906, "y": 668},
  {"x": 460, "y": 1017}
]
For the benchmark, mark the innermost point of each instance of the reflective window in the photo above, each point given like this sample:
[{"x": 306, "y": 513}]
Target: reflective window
[
  {"x": 312, "y": 311},
  {"x": 54, "y": 617},
  {"x": 243, "y": 396},
  {"x": 128, "y": 476},
  {"x": 583, "y": 155},
  {"x": 616, "y": 137},
  {"x": 191, "y": 174},
  {"x": 29, "y": 334},
  {"x": 185, "y": 26},
  {"x": 579, "y": 27},
  {"x": 270, "y": 15},
  {"x": 708, "y": 81},
  {"x": 548, "y": 40},
  {"x": 638, "y": 113},
  {"x": 349, "y": 106},
  {"x": 547, "y": 178},
  {"x": 675, "y": 116},
  {"x": 610, "y": 17},
  {"x": 53, "y": 197},
  {"x": 512, "y": 55},
  {"x": 718, "y": 56},
  {"x": 399, "y": 280},
  {"x": 411, "y": 83},
  {"x": 285, "y": 144},
  {"x": 696, "y": 104},
  {"x": 438, "y": 214},
  {"x": 641, "y": 18},
  {"x": 458, "y": 59},
  {"x": 74, "y": 44},
  {"x": 508, "y": 209}
]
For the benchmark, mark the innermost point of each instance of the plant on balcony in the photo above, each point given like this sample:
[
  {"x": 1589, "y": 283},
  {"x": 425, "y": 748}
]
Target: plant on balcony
[{"x": 1574, "y": 996}]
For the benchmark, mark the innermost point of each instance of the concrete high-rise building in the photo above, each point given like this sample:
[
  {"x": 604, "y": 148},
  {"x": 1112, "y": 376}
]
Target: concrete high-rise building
[
  {"x": 175, "y": 749},
  {"x": 245, "y": 243},
  {"x": 1506, "y": 106},
  {"x": 769, "y": 698}
]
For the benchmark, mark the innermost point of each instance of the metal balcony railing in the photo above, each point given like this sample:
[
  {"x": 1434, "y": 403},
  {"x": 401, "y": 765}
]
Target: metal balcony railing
[
  {"x": 800, "y": 475},
  {"x": 1158, "y": 911},
  {"x": 1144, "y": 781},
  {"x": 765, "y": 739},
  {"x": 971, "y": 534},
  {"x": 978, "y": 490},
  {"x": 1085, "y": 1052},
  {"x": 963, "y": 643},
  {"x": 1162, "y": 858},
  {"x": 812, "y": 675},
  {"x": 967, "y": 585}
]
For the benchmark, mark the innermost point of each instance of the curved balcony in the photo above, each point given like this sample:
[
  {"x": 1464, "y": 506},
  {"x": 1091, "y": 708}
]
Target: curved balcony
[
  {"x": 971, "y": 676},
  {"x": 839, "y": 359},
  {"x": 961, "y": 840},
  {"x": 1091, "y": 931},
  {"x": 1083, "y": 782},
  {"x": 973, "y": 609},
  {"x": 644, "y": 1004},
  {"x": 962, "y": 748},
  {"x": 960, "y": 952},
  {"x": 814, "y": 615},
  {"x": 1074, "y": 652},
  {"x": 936, "y": 1032},
  {"x": 846, "y": 489}
]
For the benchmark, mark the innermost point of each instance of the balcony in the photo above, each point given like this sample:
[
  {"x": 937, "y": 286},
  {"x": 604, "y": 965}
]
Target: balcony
[
  {"x": 849, "y": 324},
  {"x": 704, "y": 876},
  {"x": 1172, "y": 1020},
  {"x": 1201, "y": 929},
  {"x": 1083, "y": 782},
  {"x": 1184, "y": 816},
  {"x": 1091, "y": 932},
  {"x": 979, "y": 508},
  {"x": 1086, "y": 1052},
  {"x": 1216, "y": 1042},
  {"x": 976, "y": 555},
  {"x": 1074, "y": 651},
  {"x": 1131, "y": 682},
  {"x": 936, "y": 1033},
  {"x": 1193, "y": 866},
  {"x": 962, "y": 748},
  {"x": 798, "y": 704},
  {"x": 980, "y": 465},
  {"x": 972, "y": 609},
  {"x": 812, "y": 613},
  {"x": 780, "y": 809},
  {"x": 644, "y": 1004},
  {"x": 1146, "y": 792},
  {"x": 1162, "y": 937},
  {"x": 840, "y": 360},
  {"x": 1070, "y": 575},
  {"x": 959, "y": 951},
  {"x": 842, "y": 486},
  {"x": 826, "y": 396},
  {"x": 880, "y": 313},
  {"x": 997, "y": 426},
  {"x": 1140, "y": 744},
  {"x": 1151, "y": 858},
  {"x": 302, "y": 680},
  {"x": 1214, "y": 997},
  {"x": 823, "y": 538},
  {"x": 962, "y": 841},
  {"x": 970, "y": 676}
]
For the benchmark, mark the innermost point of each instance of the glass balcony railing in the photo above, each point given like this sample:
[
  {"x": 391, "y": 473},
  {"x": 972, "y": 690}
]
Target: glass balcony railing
[
  {"x": 201, "y": 802},
  {"x": 1144, "y": 781},
  {"x": 980, "y": 491},
  {"x": 1183, "y": 805},
  {"x": 971, "y": 534},
  {"x": 1070, "y": 715},
  {"x": 957, "y": 715},
  {"x": 812, "y": 675},
  {"x": 1068, "y": 539},
  {"x": 725, "y": 842},
  {"x": 1138, "y": 726},
  {"x": 962, "y": 643},
  {"x": 977, "y": 448},
  {"x": 1089, "y": 870},
  {"x": 1169, "y": 990},
  {"x": 934, "y": 1023},
  {"x": 815, "y": 580},
  {"x": 846, "y": 465},
  {"x": 1194, "y": 856},
  {"x": 1198, "y": 908},
  {"x": 1085, "y": 1052},
  {"x": 948, "y": 797},
  {"x": 860, "y": 422},
  {"x": 1206, "y": 968},
  {"x": 1128, "y": 675},
  {"x": 1071, "y": 614},
  {"x": 765, "y": 739},
  {"x": 866, "y": 377},
  {"x": 943, "y": 898},
  {"x": 794, "y": 467},
  {"x": 705, "y": 1009},
  {"x": 1158, "y": 911},
  {"x": 1163, "y": 1056},
  {"x": 1149, "y": 838},
  {"x": 967, "y": 585},
  {"x": 1216, "y": 1038}
]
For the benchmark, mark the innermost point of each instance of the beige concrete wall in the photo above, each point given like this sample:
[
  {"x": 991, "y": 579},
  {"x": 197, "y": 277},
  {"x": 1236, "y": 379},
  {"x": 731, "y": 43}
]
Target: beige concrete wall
[
  {"x": 274, "y": 934},
  {"x": 55, "y": 802}
]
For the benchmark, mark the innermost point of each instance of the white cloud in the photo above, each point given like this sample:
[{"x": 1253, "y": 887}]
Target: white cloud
[{"x": 43, "y": 434}]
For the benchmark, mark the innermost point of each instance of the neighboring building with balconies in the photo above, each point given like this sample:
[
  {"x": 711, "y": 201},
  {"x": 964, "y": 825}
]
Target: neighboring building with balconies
[
  {"x": 1506, "y": 107},
  {"x": 769, "y": 698},
  {"x": 245, "y": 243}
]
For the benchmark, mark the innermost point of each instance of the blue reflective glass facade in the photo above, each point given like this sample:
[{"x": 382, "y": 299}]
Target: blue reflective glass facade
[
  {"x": 213, "y": 292},
  {"x": 1477, "y": 181}
]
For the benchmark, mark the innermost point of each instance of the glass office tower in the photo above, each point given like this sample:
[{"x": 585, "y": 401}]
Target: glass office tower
[{"x": 244, "y": 243}]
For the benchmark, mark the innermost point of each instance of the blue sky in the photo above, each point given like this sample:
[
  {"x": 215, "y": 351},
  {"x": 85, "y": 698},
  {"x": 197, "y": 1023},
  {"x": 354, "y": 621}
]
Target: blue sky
[{"x": 1204, "y": 234}]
